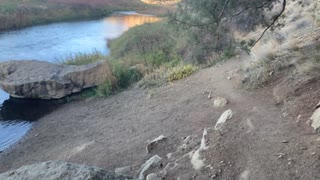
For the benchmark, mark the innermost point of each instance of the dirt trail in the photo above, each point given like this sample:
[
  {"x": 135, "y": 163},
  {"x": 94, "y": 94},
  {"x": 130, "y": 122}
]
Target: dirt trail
[{"x": 259, "y": 142}]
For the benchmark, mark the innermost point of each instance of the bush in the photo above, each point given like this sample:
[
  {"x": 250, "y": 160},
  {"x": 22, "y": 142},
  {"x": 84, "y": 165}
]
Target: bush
[
  {"x": 104, "y": 89},
  {"x": 181, "y": 72},
  {"x": 124, "y": 75}
]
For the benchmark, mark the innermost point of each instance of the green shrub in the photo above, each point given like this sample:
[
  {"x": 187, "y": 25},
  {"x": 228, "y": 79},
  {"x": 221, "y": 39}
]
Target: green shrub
[
  {"x": 104, "y": 89},
  {"x": 124, "y": 75},
  {"x": 228, "y": 52},
  {"x": 181, "y": 72}
]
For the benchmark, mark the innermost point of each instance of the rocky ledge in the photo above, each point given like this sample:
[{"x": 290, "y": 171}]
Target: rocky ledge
[{"x": 44, "y": 80}]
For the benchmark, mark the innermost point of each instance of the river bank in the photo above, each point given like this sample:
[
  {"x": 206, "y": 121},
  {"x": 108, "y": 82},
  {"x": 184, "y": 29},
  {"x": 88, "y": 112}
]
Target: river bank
[
  {"x": 16, "y": 15},
  {"x": 56, "y": 42}
]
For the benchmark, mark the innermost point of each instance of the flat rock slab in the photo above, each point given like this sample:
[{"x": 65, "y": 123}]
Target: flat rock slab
[
  {"x": 60, "y": 170},
  {"x": 44, "y": 80}
]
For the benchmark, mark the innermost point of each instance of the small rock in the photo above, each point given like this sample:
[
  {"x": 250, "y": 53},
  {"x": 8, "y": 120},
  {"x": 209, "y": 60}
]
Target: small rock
[
  {"x": 187, "y": 139},
  {"x": 148, "y": 164},
  {"x": 315, "y": 118},
  {"x": 223, "y": 118},
  {"x": 169, "y": 155},
  {"x": 220, "y": 102},
  {"x": 196, "y": 160},
  {"x": 317, "y": 106},
  {"x": 124, "y": 171},
  {"x": 151, "y": 145},
  {"x": 229, "y": 78},
  {"x": 153, "y": 176},
  {"x": 285, "y": 141},
  {"x": 209, "y": 96},
  {"x": 314, "y": 153},
  {"x": 271, "y": 73},
  {"x": 281, "y": 155}
]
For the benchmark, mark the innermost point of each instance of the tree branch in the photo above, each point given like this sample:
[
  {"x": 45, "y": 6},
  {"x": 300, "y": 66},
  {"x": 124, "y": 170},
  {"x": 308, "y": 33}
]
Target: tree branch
[{"x": 284, "y": 4}]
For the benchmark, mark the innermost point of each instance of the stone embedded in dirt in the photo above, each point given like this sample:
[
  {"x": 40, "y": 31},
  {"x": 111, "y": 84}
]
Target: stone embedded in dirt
[
  {"x": 220, "y": 102},
  {"x": 44, "y": 80},
  {"x": 60, "y": 170},
  {"x": 315, "y": 118},
  {"x": 124, "y": 171},
  {"x": 154, "y": 143},
  {"x": 153, "y": 176},
  {"x": 223, "y": 118},
  {"x": 154, "y": 160},
  {"x": 317, "y": 106},
  {"x": 196, "y": 159}
]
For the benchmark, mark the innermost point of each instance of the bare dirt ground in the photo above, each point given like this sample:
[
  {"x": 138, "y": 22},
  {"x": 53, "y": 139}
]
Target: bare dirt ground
[{"x": 259, "y": 142}]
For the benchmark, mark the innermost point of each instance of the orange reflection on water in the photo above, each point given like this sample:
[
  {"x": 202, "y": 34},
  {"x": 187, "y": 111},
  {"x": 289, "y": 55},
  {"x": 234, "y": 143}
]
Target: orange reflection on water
[{"x": 132, "y": 20}]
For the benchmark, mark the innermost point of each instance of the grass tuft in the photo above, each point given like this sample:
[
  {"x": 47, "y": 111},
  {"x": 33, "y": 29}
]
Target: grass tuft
[{"x": 84, "y": 58}]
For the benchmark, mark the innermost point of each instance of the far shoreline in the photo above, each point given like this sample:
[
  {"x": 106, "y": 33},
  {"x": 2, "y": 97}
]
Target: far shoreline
[{"x": 154, "y": 10}]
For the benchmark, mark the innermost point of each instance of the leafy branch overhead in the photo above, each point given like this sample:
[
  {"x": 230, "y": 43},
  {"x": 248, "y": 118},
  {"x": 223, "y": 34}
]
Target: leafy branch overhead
[{"x": 218, "y": 17}]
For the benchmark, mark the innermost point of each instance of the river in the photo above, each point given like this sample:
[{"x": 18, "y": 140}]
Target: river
[{"x": 52, "y": 43}]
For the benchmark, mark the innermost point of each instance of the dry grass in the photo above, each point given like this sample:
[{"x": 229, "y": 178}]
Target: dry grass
[{"x": 280, "y": 49}]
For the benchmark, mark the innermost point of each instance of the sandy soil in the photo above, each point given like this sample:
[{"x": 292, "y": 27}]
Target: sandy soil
[{"x": 259, "y": 142}]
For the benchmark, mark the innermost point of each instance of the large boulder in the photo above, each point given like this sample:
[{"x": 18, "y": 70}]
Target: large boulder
[
  {"x": 60, "y": 170},
  {"x": 44, "y": 80}
]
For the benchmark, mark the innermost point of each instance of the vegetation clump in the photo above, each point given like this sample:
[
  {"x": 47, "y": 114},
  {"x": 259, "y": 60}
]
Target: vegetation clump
[{"x": 181, "y": 72}]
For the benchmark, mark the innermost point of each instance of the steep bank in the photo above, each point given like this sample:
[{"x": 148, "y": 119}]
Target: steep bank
[{"x": 259, "y": 142}]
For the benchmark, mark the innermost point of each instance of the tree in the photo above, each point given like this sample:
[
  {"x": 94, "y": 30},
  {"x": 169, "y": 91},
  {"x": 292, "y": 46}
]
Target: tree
[{"x": 217, "y": 17}]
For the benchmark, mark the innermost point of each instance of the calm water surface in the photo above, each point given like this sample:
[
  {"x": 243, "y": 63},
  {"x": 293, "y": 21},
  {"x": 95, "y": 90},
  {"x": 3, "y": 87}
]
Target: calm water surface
[{"x": 52, "y": 43}]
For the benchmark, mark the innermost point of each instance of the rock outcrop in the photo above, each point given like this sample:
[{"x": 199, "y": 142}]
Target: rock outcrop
[
  {"x": 44, "y": 80},
  {"x": 60, "y": 170}
]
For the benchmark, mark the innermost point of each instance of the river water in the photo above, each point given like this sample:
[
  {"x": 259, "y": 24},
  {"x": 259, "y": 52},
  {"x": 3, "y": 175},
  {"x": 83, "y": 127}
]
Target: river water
[{"x": 52, "y": 43}]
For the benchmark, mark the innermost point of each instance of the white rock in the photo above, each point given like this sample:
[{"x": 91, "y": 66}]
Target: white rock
[
  {"x": 153, "y": 176},
  {"x": 220, "y": 102},
  {"x": 196, "y": 159},
  {"x": 315, "y": 118},
  {"x": 125, "y": 171},
  {"x": 223, "y": 118},
  {"x": 148, "y": 164}
]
